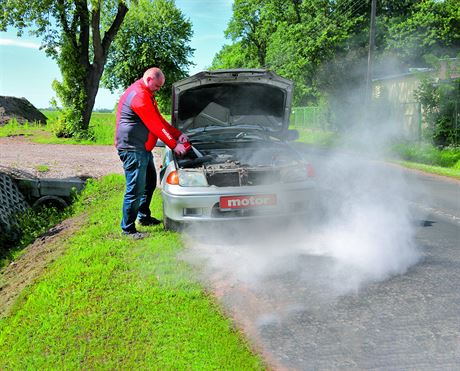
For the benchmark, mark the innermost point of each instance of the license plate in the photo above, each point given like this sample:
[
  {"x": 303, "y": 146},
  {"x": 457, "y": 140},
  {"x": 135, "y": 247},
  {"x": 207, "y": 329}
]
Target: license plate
[{"x": 246, "y": 202}]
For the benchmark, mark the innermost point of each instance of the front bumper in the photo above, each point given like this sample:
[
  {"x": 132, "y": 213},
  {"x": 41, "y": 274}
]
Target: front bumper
[{"x": 182, "y": 204}]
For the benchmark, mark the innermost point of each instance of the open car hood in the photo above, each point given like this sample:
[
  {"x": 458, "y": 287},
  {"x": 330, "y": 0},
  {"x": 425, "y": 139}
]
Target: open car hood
[{"x": 232, "y": 99}]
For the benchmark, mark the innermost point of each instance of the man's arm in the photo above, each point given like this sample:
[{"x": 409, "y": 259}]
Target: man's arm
[
  {"x": 172, "y": 130},
  {"x": 152, "y": 119}
]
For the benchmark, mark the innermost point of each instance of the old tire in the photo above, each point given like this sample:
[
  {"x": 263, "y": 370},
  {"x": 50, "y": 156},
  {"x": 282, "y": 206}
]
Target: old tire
[{"x": 50, "y": 201}]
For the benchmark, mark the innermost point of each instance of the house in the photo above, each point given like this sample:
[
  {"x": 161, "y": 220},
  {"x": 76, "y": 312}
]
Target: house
[{"x": 396, "y": 94}]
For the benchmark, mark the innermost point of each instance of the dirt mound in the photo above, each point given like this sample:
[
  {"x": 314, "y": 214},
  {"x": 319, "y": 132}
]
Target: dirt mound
[{"x": 20, "y": 109}]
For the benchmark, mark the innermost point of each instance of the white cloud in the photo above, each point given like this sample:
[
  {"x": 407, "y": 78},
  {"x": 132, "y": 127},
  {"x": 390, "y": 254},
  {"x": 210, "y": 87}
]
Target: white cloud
[{"x": 19, "y": 43}]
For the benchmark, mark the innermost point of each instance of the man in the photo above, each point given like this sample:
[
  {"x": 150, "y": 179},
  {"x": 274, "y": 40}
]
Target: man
[{"x": 139, "y": 125}]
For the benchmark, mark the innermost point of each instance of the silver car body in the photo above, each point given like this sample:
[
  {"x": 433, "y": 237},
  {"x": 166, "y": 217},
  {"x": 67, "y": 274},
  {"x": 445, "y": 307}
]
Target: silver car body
[{"x": 241, "y": 166}]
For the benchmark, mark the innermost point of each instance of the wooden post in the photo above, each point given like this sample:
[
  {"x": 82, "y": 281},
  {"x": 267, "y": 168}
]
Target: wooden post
[{"x": 370, "y": 56}]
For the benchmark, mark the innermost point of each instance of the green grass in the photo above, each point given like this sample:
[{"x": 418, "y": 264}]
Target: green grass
[
  {"x": 449, "y": 172},
  {"x": 42, "y": 168},
  {"x": 317, "y": 137},
  {"x": 425, "y": 157},
  {"x": 14, "y": 128},
  {"x": 428, "y": 154},
  {"x": 102, "y": 126},
  {"x": 111, "y": 302}
]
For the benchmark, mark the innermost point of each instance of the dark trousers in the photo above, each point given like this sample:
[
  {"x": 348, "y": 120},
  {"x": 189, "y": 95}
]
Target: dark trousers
[{"x": 141, "y": 179}]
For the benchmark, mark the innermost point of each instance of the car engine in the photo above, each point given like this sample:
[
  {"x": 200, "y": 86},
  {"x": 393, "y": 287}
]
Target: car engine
[{"x": 255, "y": 165}]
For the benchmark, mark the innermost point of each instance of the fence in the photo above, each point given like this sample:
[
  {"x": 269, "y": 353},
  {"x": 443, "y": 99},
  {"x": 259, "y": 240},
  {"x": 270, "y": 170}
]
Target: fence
[
  {"x": 457, "y": 123},
  {"x": 309, "y": 117}
]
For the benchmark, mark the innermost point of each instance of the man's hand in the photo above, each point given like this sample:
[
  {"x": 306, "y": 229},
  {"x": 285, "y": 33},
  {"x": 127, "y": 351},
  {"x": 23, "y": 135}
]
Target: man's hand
[
  {"x": 180, "y": 149},
  {"x": 183, "y": 138}
]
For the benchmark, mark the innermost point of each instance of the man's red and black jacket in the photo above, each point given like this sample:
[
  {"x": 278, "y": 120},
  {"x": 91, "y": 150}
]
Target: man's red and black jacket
[{"x": 139, "y": 122}]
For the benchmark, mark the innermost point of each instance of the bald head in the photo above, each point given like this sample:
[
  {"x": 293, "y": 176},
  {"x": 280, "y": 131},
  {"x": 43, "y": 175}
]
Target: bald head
[{"x": 154, "y": 79}]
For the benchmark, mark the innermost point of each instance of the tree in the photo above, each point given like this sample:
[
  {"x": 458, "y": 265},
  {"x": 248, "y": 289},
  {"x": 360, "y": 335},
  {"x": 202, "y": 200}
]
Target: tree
[
  {"x": 78, "y": 35},
  {"x": 432, "y": 27},
  {"x": 153, "y": 34},
  {"x": 298, "y": 50},
  {"x": 251, "y": 25},
  {"x": 292, "y": 37},
  {"x": 236, "y": 55},
  {"x": 440, "y": 99},
  {"x": 323, "y": 44}
]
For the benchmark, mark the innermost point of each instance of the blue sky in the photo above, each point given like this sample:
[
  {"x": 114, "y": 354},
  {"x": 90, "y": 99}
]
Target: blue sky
[{"x": 26, "y": 71}]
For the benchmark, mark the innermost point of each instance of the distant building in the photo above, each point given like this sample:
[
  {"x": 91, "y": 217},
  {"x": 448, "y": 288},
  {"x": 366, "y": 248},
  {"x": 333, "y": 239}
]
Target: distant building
[{"x": 396, "y": 93}]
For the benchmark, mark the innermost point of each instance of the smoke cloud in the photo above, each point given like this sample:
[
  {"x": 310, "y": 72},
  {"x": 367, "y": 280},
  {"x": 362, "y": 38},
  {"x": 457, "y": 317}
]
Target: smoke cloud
[{"x": 360, "y": 231}]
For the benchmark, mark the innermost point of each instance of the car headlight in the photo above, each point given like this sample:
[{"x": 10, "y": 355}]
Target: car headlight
[
  {"x": 298, "y": 173},
  {"x": 192, "y": 179}
]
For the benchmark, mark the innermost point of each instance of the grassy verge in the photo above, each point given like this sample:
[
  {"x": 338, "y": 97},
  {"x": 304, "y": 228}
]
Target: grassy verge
[
  {"x": 115, "y": 303},
  {"x": 428, "y": 154},
  {"x": 425, "y": 157},
  {"x": 438, "y": 170},
  {"x": 317, "y": 137}
]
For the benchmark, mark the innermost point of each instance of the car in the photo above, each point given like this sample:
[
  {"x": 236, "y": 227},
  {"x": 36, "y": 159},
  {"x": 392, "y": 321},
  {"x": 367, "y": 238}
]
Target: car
[{"x": 241, "y": 165}]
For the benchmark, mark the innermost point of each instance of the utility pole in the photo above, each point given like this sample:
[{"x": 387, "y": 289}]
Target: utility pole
[{"x": 370, "y": 56}]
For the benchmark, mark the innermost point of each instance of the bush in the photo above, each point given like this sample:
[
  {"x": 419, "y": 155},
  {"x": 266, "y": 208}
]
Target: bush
[
  {"x": 441, "y": 104},
  {"x": 69, "y": 125},
  {"x": 428, "y": 154}
]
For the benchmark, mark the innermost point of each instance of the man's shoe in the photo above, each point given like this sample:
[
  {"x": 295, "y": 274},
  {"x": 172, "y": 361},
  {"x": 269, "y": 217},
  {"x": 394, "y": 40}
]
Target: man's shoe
[
  {"x": 135, "y": 235},
  {"x": 149, "y": 221}
]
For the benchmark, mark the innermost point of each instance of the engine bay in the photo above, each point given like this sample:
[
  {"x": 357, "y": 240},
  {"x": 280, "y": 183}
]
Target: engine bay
[
  {"x": 237, "y": 165},
  {"x": 237, "y": 157}
]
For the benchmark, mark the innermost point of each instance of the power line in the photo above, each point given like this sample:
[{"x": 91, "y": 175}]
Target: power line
[{"x": 353, "y": 7}]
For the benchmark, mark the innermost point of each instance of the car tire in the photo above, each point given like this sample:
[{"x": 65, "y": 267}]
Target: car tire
[
  {"x": 172, "y": 225},
  {"x": 50, "y": 201},
  {"x": 166, "y": 221},
  {"x": 169, "y": 224}
]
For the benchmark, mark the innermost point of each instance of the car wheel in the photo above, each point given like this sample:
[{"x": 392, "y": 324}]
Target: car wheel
[
  {"x": 50, "y": 201},
  {"x": 169, "y": 224},
  {"x": 172, "y": 225}
]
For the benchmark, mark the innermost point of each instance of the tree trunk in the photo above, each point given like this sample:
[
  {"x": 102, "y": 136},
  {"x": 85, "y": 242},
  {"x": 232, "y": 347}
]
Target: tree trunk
[
  {"x": 261, "y": 51},
  {"x": 91, "y": 88},
  {"x": 101, "y": 48},
  {"x": 296, "y": 4}
]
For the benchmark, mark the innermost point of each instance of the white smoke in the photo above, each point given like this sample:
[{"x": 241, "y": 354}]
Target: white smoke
[
  {"x": 360, "y": 232},
  {"x": 368, "y": 231}
]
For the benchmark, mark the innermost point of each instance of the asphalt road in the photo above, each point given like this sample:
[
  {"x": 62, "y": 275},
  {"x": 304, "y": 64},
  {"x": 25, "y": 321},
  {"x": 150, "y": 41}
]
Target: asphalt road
[
  {"x": 398, "y": 309},
  {"x": 407, "y": 322}
]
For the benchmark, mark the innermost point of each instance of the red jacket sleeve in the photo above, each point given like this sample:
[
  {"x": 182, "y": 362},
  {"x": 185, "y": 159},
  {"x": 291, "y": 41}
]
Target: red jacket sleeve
[
  {"x": 143, "y": 106},
  {"x": 174, "y": 132}
]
